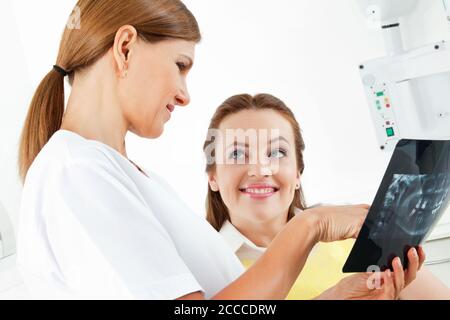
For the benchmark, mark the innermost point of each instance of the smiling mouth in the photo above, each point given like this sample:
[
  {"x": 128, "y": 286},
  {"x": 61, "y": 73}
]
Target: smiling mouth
[{"x": 258, "y": 192}]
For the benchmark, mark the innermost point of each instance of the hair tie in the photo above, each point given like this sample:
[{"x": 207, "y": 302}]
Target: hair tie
[{"x": 61, "y": 70}]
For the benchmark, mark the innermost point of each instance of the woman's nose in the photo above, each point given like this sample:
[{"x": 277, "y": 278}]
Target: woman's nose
[
  {"x": 260, "y": 170},
  {"x": 183, "y": 98}
]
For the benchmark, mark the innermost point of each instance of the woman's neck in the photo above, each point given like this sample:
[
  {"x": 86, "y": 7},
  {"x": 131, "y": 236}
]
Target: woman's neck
[
  {"x": 93, "y": 110},
  {"x": 261, "y": 233}
]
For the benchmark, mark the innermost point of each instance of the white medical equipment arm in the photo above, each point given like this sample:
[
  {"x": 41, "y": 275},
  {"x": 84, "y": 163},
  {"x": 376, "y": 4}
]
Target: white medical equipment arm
[
  {"x": 385, "y": 15},
  {"x": 408, "y": 91}
]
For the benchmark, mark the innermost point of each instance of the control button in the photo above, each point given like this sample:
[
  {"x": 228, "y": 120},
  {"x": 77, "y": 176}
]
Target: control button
[{"x": 390, "y": 132}]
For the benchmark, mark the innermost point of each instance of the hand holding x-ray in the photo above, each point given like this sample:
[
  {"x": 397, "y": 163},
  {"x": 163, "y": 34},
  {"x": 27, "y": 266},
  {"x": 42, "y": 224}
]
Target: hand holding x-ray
[{"x": 386, "y": 285}]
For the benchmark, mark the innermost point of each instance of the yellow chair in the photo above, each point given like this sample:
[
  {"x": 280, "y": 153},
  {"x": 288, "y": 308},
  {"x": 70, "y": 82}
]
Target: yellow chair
[{"x": 322, "y": 270}]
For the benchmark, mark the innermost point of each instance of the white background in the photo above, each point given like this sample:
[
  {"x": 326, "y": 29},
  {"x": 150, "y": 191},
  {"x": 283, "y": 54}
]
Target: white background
[{"x": 306, "y": 52}]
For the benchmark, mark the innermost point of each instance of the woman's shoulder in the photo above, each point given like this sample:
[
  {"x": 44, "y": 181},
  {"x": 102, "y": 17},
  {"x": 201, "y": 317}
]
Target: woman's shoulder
[
  {"x": 65, "y": 149},
  {"x": 71, "y": 146}
]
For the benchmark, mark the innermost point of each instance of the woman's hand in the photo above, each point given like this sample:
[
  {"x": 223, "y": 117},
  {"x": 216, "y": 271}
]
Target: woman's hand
[
  {"x": 338, "y": 222},
  {"x": 385, "y": 285}
]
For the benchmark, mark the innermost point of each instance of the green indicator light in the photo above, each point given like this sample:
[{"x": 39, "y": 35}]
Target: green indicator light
[
  {"x": 390, "y": 132},
  {"x": 380, "y": 94}
]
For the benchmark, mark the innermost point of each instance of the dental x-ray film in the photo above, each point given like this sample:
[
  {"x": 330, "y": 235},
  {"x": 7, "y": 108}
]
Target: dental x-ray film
[{"x": 413, "y": 195}]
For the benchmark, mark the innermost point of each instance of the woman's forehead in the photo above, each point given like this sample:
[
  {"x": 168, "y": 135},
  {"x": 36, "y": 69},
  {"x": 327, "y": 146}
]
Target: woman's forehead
[
  {"x": 182, "y": 46},
  {"x": 171, "y": 47},
  {"x": 269, "y": 120}
]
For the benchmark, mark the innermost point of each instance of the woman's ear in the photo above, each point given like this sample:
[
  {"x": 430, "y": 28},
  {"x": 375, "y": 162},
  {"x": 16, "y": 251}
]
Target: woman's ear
[
  {"x": 123, "y": 46},
  {"x": 213, "y": 183},
  {"x": 297, "y": 185}
]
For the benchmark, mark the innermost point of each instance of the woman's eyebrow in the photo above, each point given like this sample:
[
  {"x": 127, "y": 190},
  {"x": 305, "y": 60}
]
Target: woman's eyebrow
[
  {"x": 237, "y": 143},
  {"x": 280, "y": 138}
]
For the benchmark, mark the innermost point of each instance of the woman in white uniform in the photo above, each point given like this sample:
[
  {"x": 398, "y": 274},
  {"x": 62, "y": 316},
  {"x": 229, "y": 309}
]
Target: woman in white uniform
[{"x": 95, "y": 225}]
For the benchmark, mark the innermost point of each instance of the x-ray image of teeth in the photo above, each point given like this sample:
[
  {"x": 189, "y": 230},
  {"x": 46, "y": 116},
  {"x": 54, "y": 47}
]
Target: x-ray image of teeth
[
  {"x": 411, "y": 205},
  {"x": 411, "y": 199}
]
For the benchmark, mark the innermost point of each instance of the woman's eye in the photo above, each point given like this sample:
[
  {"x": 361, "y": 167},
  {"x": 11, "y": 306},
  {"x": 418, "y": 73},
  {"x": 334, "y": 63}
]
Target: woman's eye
[
  {"x": 278, "y": 153},
  {"x": 237, "y": 154},
  {"x": 181, "y": 66}
]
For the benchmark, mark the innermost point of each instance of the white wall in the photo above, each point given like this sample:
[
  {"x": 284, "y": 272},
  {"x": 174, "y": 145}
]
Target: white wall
[
  {"x": 14, "y": 86},
  {"x": 304, "y": 51}
]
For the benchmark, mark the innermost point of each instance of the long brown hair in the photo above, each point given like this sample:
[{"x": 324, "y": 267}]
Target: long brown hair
[
  {"x": 216, "y": 210},
  {"x": 154, "y": 21}
]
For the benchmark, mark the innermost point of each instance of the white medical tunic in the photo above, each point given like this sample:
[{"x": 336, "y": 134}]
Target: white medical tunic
[{"x": 93, "y": 227}]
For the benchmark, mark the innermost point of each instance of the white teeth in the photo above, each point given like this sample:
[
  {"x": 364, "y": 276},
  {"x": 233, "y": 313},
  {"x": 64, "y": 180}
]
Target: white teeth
[{"x": 260, "y": 191}]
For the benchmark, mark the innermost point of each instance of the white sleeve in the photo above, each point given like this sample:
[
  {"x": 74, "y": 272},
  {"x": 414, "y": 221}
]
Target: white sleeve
[{"x": 106, "y": 240}]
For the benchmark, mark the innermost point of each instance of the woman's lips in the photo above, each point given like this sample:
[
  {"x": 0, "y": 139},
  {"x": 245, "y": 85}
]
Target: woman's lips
[
  {"x": 259, "y": 191},
  {"x": 170, "y": 107}
]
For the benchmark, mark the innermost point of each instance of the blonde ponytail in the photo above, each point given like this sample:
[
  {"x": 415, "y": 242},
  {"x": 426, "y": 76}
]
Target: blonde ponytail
[{"x": 43, "y": 119}]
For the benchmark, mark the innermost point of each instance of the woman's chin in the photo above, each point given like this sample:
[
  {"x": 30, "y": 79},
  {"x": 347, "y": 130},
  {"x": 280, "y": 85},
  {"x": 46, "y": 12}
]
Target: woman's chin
[
  {"x": 262, "y": 214},
  {"x": 153, "y": 134}
]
